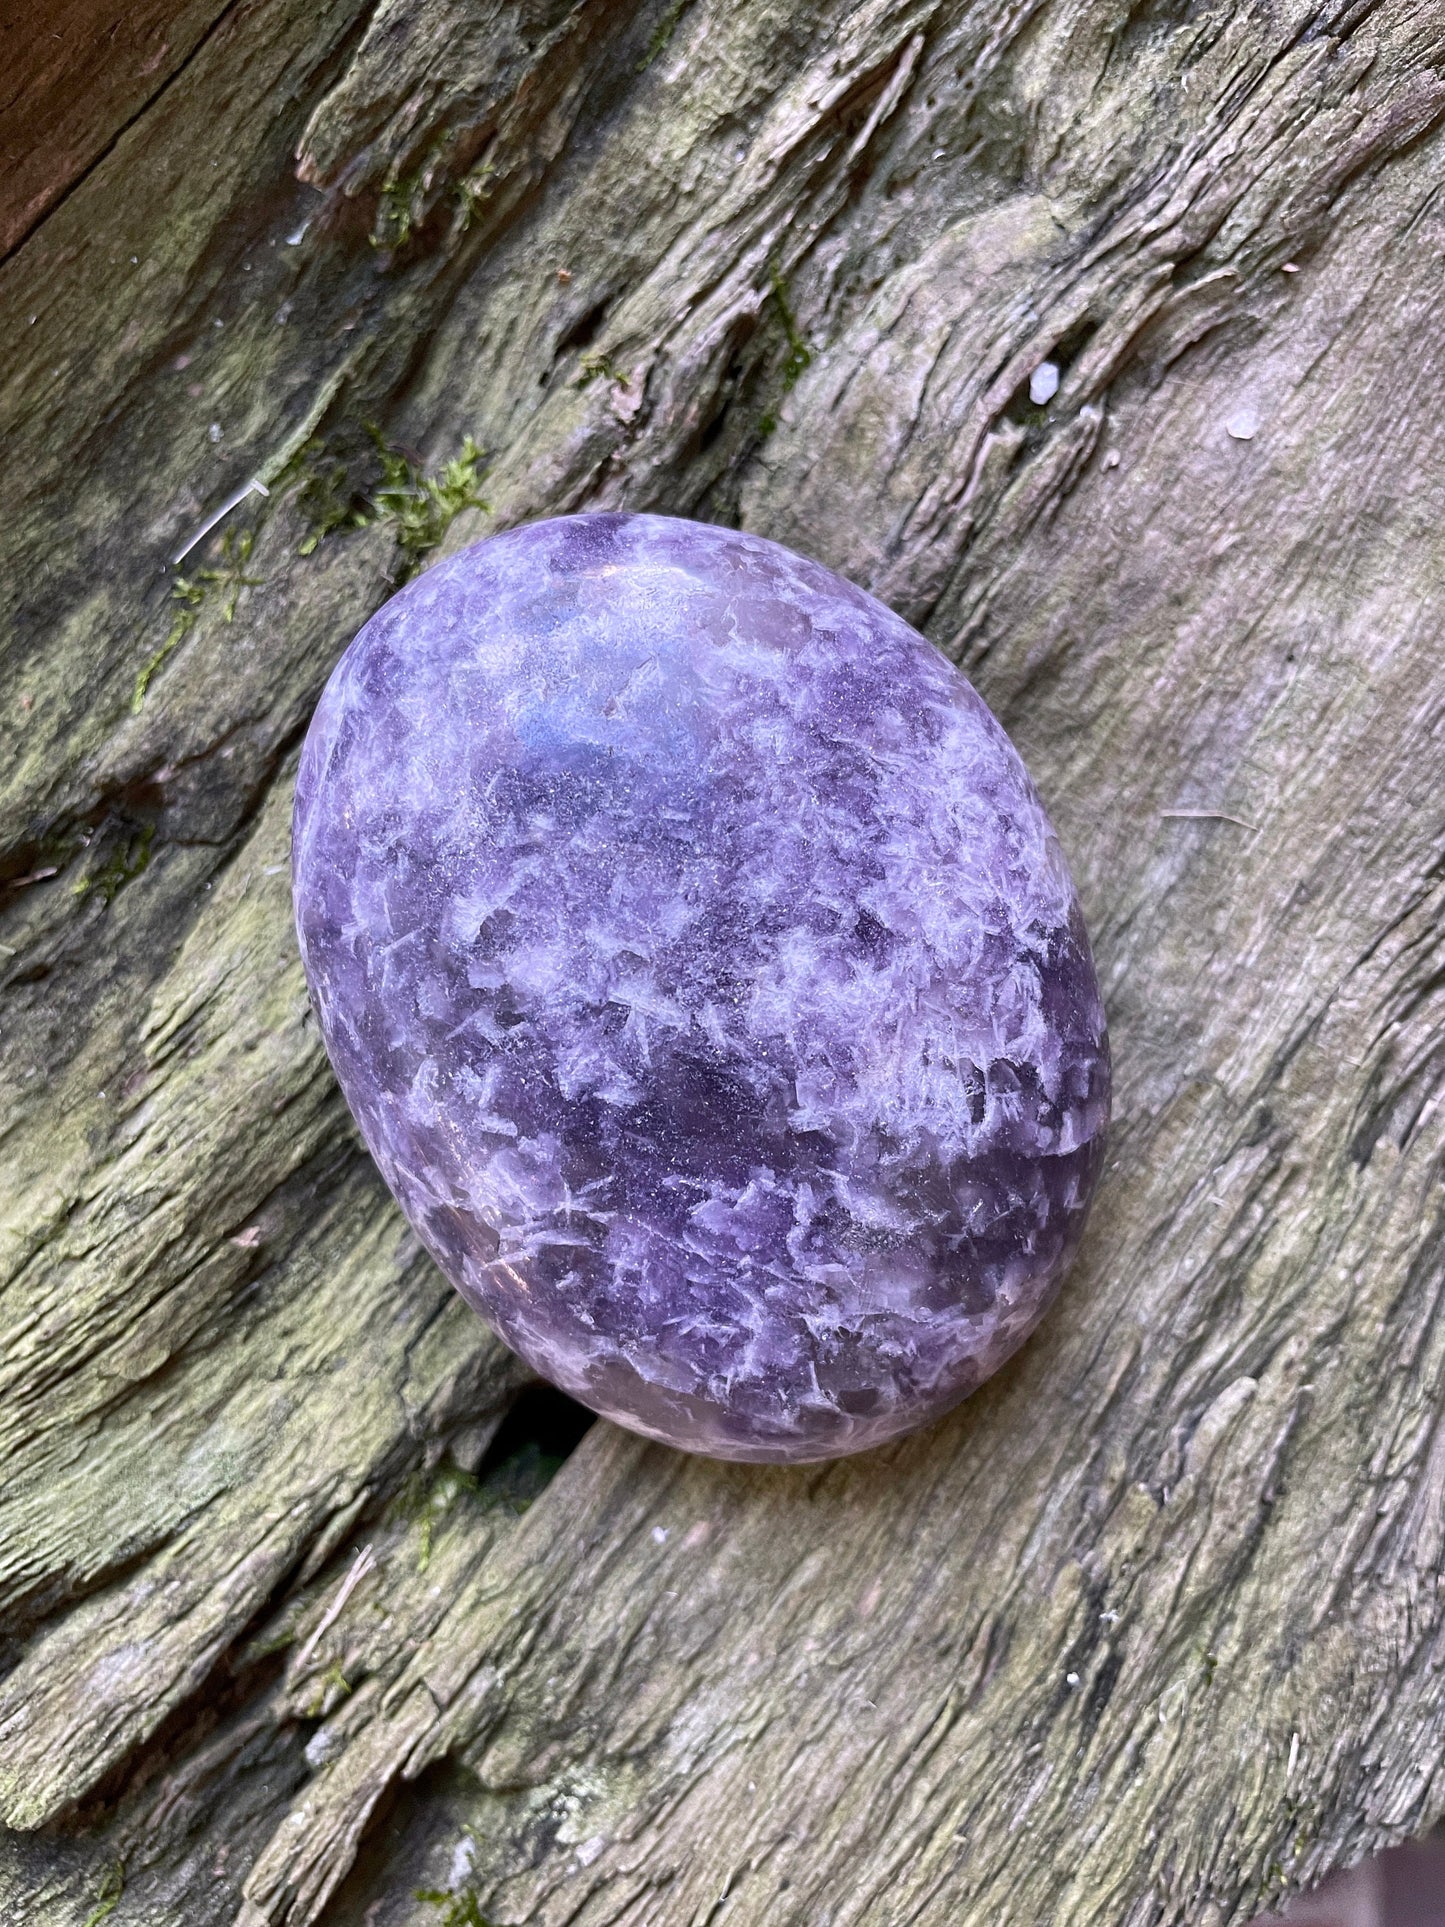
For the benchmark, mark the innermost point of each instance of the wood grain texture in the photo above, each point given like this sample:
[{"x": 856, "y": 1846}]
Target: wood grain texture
[
  {"x": 76, "y": 73},
  {"x": 1150, "y": 1631}
]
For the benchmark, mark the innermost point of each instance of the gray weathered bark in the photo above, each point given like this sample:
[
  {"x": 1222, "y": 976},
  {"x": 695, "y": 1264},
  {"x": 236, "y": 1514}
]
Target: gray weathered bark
[{"x": 1151, "y": 1630}]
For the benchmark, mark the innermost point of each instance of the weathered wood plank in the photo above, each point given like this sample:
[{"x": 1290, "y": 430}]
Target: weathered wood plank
[
  {"x": 1149, "y": 1630},
  {"x": 77, "y": 72}
]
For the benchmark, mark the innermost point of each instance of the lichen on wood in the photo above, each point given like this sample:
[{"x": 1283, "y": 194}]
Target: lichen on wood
[{"x": 1148, "y": 1632}]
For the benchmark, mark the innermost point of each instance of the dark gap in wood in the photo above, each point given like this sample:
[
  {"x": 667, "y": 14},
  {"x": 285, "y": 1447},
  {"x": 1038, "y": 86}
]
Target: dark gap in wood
[
  {"x": 221, "y": 1696},
  {"x": 1032, "y": 415},
  {"x": 583, "y": 331},
  {"x": 536, "y": 1438}
]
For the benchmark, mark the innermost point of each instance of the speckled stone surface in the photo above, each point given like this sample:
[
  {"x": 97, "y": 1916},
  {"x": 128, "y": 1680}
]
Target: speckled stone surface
[{"x": 706, "y": 979}]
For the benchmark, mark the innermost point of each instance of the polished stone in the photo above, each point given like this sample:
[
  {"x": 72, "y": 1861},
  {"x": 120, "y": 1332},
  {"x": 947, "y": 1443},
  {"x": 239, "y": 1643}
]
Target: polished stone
[{"x": 706, "y": 979}]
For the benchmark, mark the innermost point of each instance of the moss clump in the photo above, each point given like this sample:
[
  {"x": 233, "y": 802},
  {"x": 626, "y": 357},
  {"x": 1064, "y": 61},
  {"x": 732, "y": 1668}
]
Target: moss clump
[
  {"x": 399, "y": 212},
  {"x": 661, "y": 34},
  {"x": 429, "y": 1504},
  {"x": 459, "y": 1910},
  {"x": 125, "y": 865},
  {"x": 406, "y": 204},
  {"x": 423, "y": 507},
  {"x": 509, "y": 1485},
  {"x": 189, "y": 594},
  {"x": 471, "y": 193},
  {"x": 325, "y": 497},
  {"x": 599, "y": 365},
  {"x": 332, "y": 1680},
  {"x": 392, "y": 488},
  {"x": 111, "y": 1889},
  {"x": 800, "y": 355}
]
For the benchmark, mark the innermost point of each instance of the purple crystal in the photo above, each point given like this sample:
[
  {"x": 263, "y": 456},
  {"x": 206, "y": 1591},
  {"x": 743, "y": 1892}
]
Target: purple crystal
[{"x": 706, "y": 979}]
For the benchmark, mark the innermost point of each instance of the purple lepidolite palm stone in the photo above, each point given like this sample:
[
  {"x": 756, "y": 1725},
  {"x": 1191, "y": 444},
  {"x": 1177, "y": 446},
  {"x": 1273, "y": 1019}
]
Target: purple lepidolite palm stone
[{"x": 706, "y": 979}]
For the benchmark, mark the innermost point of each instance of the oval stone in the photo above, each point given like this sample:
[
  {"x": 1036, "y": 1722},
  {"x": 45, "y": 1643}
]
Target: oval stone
[{"x": 706, "y": 980}]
